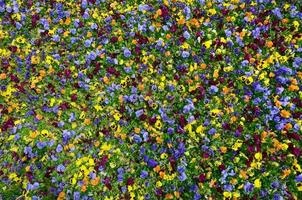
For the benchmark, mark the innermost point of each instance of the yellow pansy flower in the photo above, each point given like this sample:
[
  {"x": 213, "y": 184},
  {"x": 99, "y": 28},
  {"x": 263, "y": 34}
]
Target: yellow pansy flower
[
  {"x": 212, "y": 11},
  {"x": 208, "y": 43},
  {"x": 158, "y": 184},
  {"x": 106, "y": 147},
  {"x": 227, "y": 194},
  {"x": 258, "y": 156},
  {"x": 237, "y": 145},
  {"x": 257, "y": 183}
]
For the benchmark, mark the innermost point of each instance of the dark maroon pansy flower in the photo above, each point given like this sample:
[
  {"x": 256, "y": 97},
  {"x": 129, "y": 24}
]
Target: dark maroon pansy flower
[
  {"x": 164, "y": 11},
  {"x": 143, "y": 117},
  {"x": 34, "y": 20},
  {"x": 130, "y": 181},
  {"x": 182, "y": 121},
  {"x": 14, "y": 78},
  {"x": 137, "y": 50},
  {"x": 295, "y": 136},
  {"x": 250, "y": 149},
  {"x": 173, "y": 28},
  {"x": 152, "y": 120},
  {"x": 110, "y": 70},
  {"x": 8, "y": 124},
  {"x": 205, "y": 155},
  {"x": 106, "y": 132},
  {"x": 296, "y": 151},
  {"x": 182, "y": 39},
  {"x": 202, "y": 178},
  {"x": 90, "y": 75},
  {"x": 172, "y": 163},
  {"x": 296, "y": 115},
  {"x": 74, "y": 97},
  {"x": 113, "y": 39},
  {"x": 64, "y": 106},
  {"x": 226, "y": 126},
  {"x": 67, "y": 73},
  {"x": 12, "y": 48}
]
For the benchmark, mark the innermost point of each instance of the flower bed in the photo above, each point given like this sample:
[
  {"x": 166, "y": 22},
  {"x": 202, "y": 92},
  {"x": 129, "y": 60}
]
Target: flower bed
[{"x": 150, "y": 99}]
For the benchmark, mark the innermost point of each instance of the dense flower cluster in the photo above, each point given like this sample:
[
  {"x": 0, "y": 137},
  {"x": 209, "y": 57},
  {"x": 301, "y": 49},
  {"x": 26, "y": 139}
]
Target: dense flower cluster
[{"x": 167, "y": 99}]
